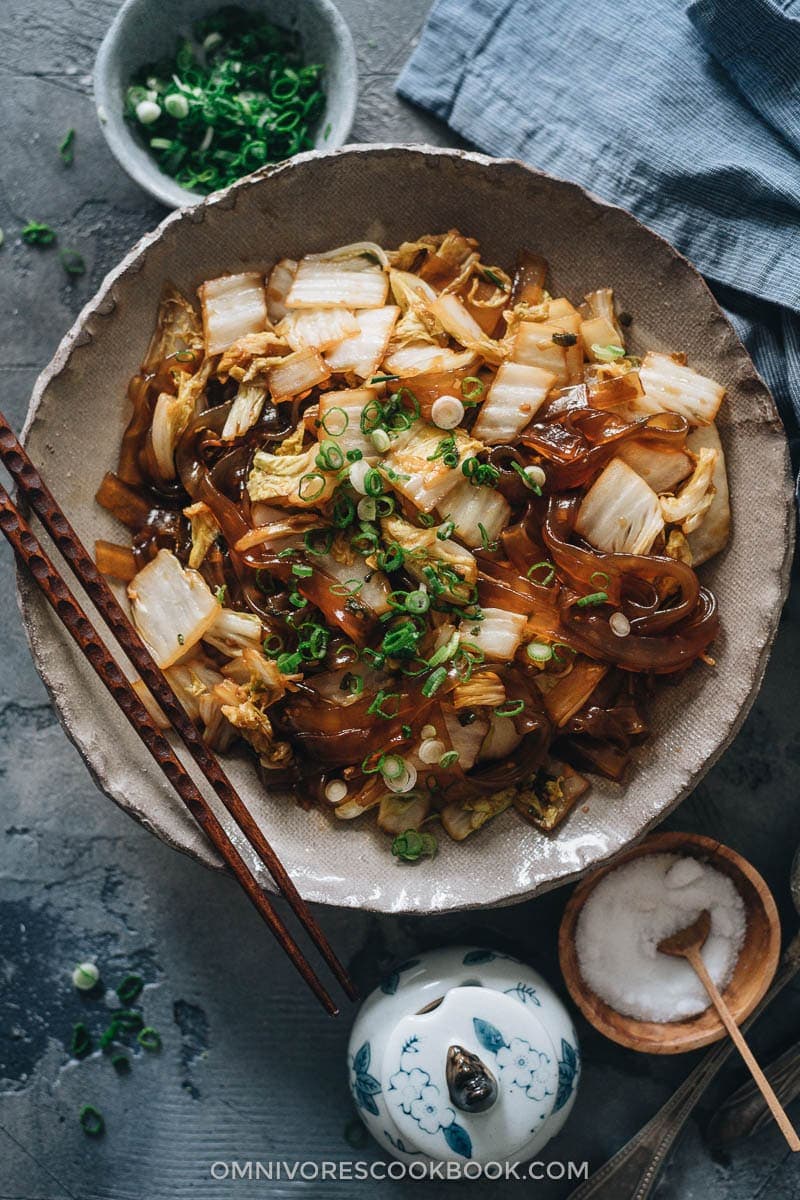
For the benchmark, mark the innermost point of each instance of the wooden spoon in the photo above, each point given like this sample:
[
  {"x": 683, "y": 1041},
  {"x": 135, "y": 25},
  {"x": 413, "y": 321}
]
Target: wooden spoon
[{"x": 688, "y": 943}]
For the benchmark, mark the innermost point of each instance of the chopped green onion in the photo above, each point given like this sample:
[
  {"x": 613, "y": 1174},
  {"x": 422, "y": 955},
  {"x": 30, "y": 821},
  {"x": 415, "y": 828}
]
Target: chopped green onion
[
  {"x": 109, "y": 1035},
  {"x": 121, "y": 1063},
  {"x": 382, "y": 379},
  {"x": 393, "y": 767},
  {"x": 371, "y": 416},
  {"x": 344, "y": 512},
  {"x": 426, "y": 520},
  {"x": 330, "y": 457},
  {"x": 128, "y": 1019},
  {"x": 594, "y": 599},
  {"x": 130, "y": 988},
  {"x": 489, "y": 274},
  {"x": 366, "y": 540},
  {"x": 273, "y": 645},
  {"x": 376, "y": 707},
  {"x": 471, "y": 388},
  {"x": 511, "y": 708},
  {"x": 374, "y": 656},
  {"x": 401, "y": 642},
  {"x": 232, "y": 101},
  {"x": 147, "y": 112},
  {"x": 353, "y": 683},
  {"x": 392, "y": 558},
  {"x": 418, "y": 602},
  {"x": 549, "y": 569},
  {"x": 341, "y": 426},
  {"x": 81, "y": 1043},
  {"x": 486, "y": 542},
  {"x": 526, "y": 479},
  {"x": 446, "y": 531},
  {"x": 92, "y": 1120},
  {"x": 176, "y": 105},
  {"x": 312, "y": 545},
  {"x": 603, "y": 578},
  {"x": 434, "y": 682},
  {"x": 37, "y": 233},
  {"x": 370, "y": 768},
  {"x": 316, "y": 644},
  {"x": 480, "y": 474},
  {"x": 353, "y": 455},
  {"x": 219, "y": 594},
  {"x": 296, "y": 600},
  {"x": 446, "y": 446},
  {"x": 350, "y": 587},
  {"x": 67, "y": 148},
  {"x": 149, "y": 1038},
  {"x": 607, "y": 353},
  {"x": 448, "y": 759},
  {"x": 302, "y": 570},
  {"x": 287, "y": 664},
  {"x": 539, "y": 652},
  {"x": 445, "y": 652},
  {"x": 373, "y": 482},
  {"x": 380, "y": 440},
  {"x": 310, "y": 491},
  {"x": 411, "y": 845},
  {"x": 562, "y": 646},
  {"x": 85, "y": 976}
]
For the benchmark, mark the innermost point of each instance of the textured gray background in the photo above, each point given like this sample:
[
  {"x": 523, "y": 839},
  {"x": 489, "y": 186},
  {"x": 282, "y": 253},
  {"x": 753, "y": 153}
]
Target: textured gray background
[{"x": 250, "y": 1068}]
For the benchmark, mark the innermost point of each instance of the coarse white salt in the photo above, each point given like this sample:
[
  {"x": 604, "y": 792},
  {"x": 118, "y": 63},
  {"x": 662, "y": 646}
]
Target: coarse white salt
[{"x": 637, "y": 905}]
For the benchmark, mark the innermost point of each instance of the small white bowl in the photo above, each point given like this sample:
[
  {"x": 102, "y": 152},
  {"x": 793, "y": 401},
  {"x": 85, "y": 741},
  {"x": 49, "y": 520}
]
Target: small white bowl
[{"x": 145, "y": 31}]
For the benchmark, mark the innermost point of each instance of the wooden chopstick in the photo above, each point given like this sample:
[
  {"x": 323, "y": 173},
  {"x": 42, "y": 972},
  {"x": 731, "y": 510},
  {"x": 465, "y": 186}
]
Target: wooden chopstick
[{"x": 35, "y": 491}]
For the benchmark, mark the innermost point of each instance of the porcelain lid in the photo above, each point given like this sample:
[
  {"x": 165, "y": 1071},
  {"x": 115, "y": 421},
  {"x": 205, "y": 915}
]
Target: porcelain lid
[{"x": 514, "y": 1050}]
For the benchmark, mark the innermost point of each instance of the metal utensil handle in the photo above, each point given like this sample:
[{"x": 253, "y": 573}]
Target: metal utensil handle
[
  {"x": 744, "y": 1112},
  {"x": 633, "y": 1170}
]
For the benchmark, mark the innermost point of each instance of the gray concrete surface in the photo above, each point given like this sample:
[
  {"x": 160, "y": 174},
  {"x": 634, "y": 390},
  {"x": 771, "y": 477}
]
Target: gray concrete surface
[{"x": 250, "y": 1070}]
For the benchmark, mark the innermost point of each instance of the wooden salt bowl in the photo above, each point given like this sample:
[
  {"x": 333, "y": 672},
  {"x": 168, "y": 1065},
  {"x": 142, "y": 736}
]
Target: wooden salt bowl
[{"x": 753, "y": 973}]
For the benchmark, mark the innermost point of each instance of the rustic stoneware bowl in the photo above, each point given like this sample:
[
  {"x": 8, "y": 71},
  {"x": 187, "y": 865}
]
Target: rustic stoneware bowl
[
  {"x": 391, "y": 193},
  {"x": 752, "y": 975},
  {"x": 145, "y": 31}
]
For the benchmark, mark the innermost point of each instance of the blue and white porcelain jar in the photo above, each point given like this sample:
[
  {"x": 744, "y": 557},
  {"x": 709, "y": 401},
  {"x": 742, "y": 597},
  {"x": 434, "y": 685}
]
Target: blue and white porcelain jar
[{"x": 463, "y": 1053}]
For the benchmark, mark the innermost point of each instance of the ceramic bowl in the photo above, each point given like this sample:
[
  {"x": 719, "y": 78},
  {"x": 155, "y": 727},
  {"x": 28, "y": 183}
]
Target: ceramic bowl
[
  {"x": 145, "y": 31},
  {"x": 752, "y": 975},
  {"x": 391, "y": 194}
]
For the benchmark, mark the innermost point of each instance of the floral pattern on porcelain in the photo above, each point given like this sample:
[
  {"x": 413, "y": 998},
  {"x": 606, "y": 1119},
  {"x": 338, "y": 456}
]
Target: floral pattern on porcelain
[
  {"x": 568, "y": 1067},
  {"x": 525, "y": 993},
  {"x": 423, "y": 1102},
  {"x": 365, "y": 1087},
  {"x": 519, "y": 1064}
]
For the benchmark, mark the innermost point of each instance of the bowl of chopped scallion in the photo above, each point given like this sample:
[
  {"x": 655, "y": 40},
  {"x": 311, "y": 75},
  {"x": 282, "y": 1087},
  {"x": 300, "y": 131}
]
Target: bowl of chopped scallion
[{"x": 193, "y": 95}]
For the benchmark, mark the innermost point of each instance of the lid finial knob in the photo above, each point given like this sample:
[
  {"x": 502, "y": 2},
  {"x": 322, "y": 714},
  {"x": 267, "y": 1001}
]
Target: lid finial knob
[{"x": 472, "y": 1086}]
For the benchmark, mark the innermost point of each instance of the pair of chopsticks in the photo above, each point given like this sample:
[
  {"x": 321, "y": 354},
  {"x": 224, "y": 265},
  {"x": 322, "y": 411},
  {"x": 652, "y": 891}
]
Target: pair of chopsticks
[{"x": 30, "y": 553}]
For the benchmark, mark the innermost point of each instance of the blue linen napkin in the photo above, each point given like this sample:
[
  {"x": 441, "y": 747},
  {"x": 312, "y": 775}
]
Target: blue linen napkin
[{"x": 688, "y": 115}]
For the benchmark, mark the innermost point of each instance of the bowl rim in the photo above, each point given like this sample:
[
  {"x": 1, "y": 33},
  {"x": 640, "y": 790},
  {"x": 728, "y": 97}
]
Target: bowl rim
[
  {"x": 652, "y": 1037},
  {"x": 103, "y": 303},
  {"x": 147, "y": 174}
]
